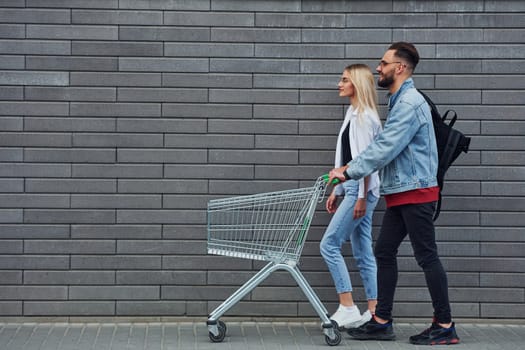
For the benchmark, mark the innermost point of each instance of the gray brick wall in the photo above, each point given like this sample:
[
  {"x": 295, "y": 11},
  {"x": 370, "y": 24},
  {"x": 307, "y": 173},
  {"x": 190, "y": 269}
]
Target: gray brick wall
[{"x": 119, "y": 120}]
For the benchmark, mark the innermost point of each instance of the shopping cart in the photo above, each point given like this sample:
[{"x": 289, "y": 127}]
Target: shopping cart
[{"x": 269, "y": 227}]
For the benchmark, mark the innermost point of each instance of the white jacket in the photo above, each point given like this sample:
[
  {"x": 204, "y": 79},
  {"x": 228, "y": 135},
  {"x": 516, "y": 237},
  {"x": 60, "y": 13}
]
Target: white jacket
[{"x": 361, "y": 133}]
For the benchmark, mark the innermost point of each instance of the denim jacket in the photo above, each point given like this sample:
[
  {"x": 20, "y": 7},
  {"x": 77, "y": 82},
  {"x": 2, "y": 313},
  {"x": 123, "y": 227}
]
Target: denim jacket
[{"x": 405, "y": 152}]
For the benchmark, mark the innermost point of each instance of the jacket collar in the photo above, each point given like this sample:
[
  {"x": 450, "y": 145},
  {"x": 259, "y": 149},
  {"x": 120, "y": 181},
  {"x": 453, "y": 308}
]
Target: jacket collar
[{"x": 392, "y": 98}]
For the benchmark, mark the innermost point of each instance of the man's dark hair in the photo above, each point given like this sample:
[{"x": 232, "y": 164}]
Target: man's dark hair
[{"x": 406, "y": 51}]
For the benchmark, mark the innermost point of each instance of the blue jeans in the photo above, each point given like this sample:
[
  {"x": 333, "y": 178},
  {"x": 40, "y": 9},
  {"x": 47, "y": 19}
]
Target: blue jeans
[{"x": 343, "y": 228}]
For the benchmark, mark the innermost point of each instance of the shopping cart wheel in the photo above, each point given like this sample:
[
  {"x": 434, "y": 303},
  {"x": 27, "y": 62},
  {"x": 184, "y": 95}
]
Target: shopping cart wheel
[
  {"x": 336, "y": 340},
  {"x": 336, "y": 326},
  {"x": 222, "y": 333}
]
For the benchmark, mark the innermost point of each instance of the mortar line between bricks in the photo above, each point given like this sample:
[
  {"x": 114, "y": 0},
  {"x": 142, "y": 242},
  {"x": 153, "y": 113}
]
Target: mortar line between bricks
[{"x": 47, "y": 336}]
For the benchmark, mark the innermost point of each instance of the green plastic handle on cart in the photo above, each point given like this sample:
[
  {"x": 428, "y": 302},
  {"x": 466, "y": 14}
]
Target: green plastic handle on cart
[{"x": 326, "y": 177}]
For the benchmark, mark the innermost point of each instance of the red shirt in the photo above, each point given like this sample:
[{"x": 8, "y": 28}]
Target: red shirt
[{"x": 417, "y": 196}]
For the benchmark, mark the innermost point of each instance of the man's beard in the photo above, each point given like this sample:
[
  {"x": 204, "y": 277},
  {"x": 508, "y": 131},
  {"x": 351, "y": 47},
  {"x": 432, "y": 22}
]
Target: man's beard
[{"x": 386, "y": 81}]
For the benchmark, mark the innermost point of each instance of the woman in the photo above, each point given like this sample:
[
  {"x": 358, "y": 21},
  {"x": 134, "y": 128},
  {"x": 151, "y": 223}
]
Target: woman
[{"x": 352, "y": 220}]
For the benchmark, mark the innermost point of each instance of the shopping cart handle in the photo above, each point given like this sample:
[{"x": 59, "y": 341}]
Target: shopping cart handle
[{"x": 326, "y": 177}]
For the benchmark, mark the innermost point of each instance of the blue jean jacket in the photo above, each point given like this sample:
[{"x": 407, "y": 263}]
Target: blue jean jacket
[{"x": 405, "y": 152}]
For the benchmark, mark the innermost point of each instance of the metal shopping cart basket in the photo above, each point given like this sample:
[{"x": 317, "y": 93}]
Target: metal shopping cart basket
[{"x": 269, "y": 227}]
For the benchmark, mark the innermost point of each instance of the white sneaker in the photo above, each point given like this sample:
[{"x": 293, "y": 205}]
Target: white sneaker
[
  {"x": 344, "y": 317},
  {"x": 365, "y": 317}
]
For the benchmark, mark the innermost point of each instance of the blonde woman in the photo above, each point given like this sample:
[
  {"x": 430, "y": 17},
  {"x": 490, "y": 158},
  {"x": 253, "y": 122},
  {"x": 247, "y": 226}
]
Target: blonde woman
[{"x": 352, "y": 219}]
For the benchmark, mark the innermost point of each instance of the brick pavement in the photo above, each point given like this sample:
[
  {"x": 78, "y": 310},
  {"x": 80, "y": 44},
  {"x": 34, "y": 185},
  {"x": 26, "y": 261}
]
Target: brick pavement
[{"x": 240, "y": 336}]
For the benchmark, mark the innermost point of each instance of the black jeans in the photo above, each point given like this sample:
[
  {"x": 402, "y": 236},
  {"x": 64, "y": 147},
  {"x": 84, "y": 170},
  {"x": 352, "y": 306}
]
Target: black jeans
[{"x": 416, "y": 221}]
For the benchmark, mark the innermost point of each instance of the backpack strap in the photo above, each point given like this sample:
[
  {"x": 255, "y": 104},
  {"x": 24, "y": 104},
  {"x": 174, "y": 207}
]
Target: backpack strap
[
  {"x": 438, "y": 208},
  {"x": 453, "y": 119}
]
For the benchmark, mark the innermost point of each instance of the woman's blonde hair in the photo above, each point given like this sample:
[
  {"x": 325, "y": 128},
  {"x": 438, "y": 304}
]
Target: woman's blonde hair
[{"x": 364, "y": 86}]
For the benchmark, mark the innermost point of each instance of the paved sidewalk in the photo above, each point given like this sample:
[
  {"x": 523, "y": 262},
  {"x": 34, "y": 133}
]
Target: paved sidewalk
[{"x": 240, "y": 336}]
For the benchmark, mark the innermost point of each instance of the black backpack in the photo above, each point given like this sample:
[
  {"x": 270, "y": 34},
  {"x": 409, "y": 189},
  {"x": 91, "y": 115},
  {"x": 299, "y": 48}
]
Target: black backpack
[{"x": 450, "y": 143}]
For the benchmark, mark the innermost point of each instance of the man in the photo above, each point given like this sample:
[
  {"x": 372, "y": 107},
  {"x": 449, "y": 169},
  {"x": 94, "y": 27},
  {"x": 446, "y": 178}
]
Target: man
[{"x": 406, "y": 154}]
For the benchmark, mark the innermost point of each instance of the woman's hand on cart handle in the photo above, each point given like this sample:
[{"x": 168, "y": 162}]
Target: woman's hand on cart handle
[{"x": 337, "y": 175}]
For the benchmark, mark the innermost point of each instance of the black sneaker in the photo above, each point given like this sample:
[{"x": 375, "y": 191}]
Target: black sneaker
[
  {"x": 372, "y": 330},
  {"x": 436, "y": 335},
  {"x": 425, "y": 334}
]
